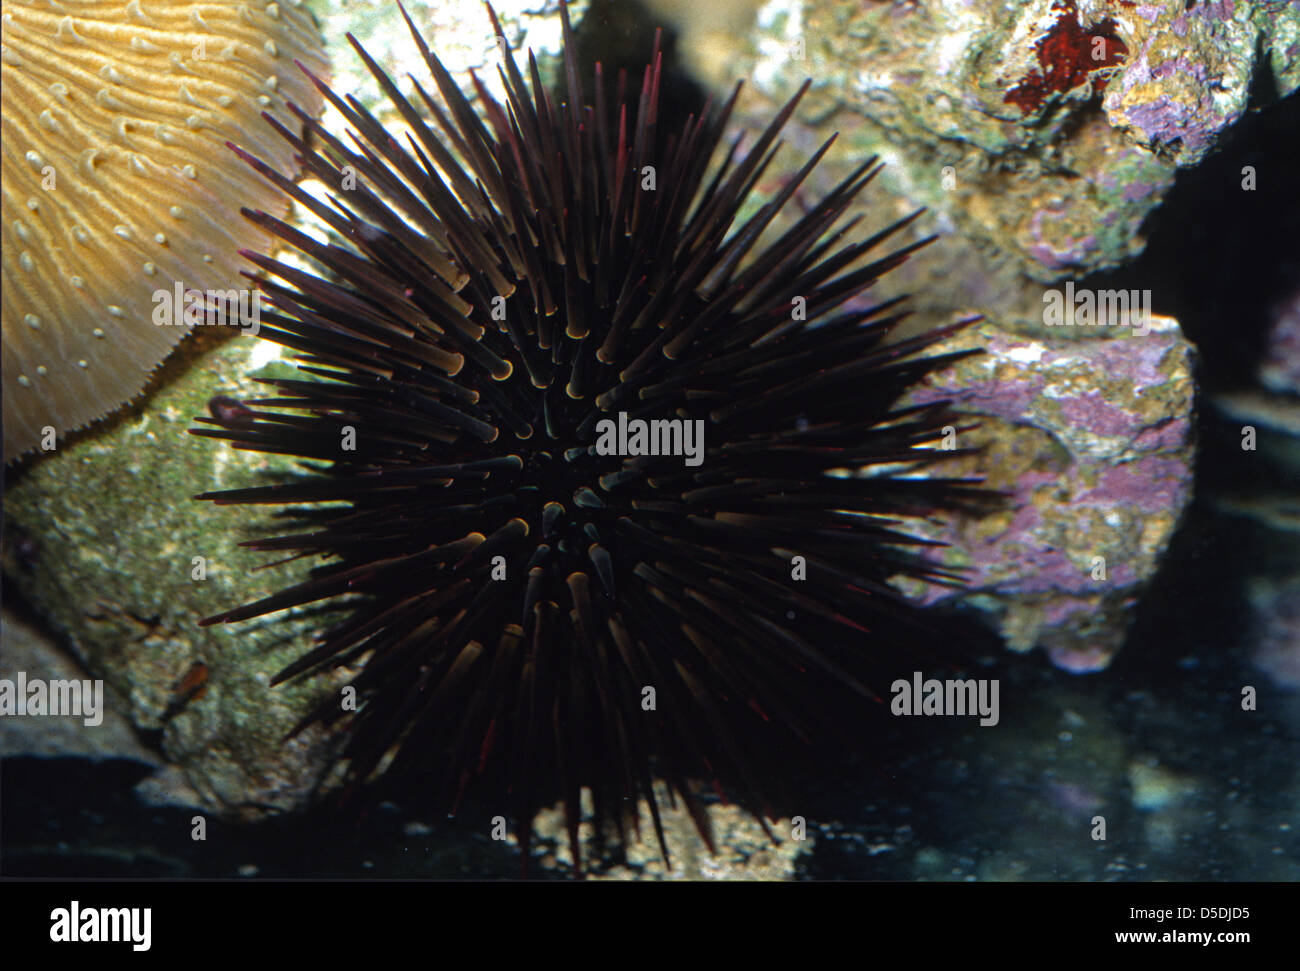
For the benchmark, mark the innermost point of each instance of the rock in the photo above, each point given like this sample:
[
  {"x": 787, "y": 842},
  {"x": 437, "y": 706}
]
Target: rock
[
  {"x": 1274, "y": 628},
  {"x": 744, "y": 851},
  {"x": 1091, "y": 442},
  {"x": 112, "y": 548},
  {"x": 1156, "y": 787},
  {"x": 1163, "y": 797},
  {"x": 457, "y": 31},
  {"x": 711, "y": 36},
  {"x": 29, "y": 651},
  {"x": 1280, "y": 371},
  {"x": 1041, "y": 135},
  {"x": 1090, "y": 437},
  {"x": 1189, "y": 70}
]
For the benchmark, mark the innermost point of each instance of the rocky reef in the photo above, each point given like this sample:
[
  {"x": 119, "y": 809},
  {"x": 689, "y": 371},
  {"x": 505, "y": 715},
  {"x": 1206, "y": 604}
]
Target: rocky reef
[
  {"x": 1091, "y": 444},
  {"x": 1040, "y": 140}
]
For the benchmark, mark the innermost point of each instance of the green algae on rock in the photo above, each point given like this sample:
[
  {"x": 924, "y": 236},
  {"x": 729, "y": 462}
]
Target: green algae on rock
[{"x": 122, "y": 567}]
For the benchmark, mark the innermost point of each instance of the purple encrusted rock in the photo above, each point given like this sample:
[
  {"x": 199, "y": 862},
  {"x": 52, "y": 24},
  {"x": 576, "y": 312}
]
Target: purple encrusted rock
[
  {"x": 1091, "y": 442},
  {"x": 1274, "y": 630},
  {"x": 1281, "y": 368}
]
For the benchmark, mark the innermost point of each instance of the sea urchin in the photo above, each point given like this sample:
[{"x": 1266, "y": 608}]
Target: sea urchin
[{"x": 602, "y": 480}]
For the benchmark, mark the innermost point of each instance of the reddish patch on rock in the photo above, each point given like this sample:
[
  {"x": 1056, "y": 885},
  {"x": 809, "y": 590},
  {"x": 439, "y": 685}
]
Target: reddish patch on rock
[
  {"x": 192, "y": 684},
  {"x": 1066, "y": 58}
]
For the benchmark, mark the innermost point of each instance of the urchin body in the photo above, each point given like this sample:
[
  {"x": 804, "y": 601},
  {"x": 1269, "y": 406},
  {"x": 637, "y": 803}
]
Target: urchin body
[{"x": 521, "y": 598}]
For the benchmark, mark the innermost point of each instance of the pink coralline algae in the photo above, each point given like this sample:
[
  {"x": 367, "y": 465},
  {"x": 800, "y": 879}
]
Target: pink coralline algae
[
  {"x": 1191, "y": 69},
  {"x": 989, "y": 115},
  {"x": 1073, "y": 799},
  {"x": 1276, "y": 630},
  {"x": 1281, "y": 368},
  {"x": 1166, "y": 121},
  {"x": 1091, "y": 443},
  {"x": 1062, "y": 250}
]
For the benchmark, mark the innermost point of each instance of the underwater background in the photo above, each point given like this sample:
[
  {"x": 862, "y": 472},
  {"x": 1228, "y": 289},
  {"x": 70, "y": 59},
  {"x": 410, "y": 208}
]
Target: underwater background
[{"x": 1164, "y": 699}]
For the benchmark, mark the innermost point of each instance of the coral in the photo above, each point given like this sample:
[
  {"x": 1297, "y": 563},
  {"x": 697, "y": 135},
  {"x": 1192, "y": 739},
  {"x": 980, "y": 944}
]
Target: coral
[{"x": 117, "y": 184}]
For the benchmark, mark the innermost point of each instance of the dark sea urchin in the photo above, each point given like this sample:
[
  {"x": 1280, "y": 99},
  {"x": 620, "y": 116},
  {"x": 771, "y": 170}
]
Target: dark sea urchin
[{"x": 604, "y": 484}]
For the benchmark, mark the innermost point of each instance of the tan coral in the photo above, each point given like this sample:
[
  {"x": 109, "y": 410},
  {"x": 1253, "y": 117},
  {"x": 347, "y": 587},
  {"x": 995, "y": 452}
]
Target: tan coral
[{"x": 118, "y": 183}]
